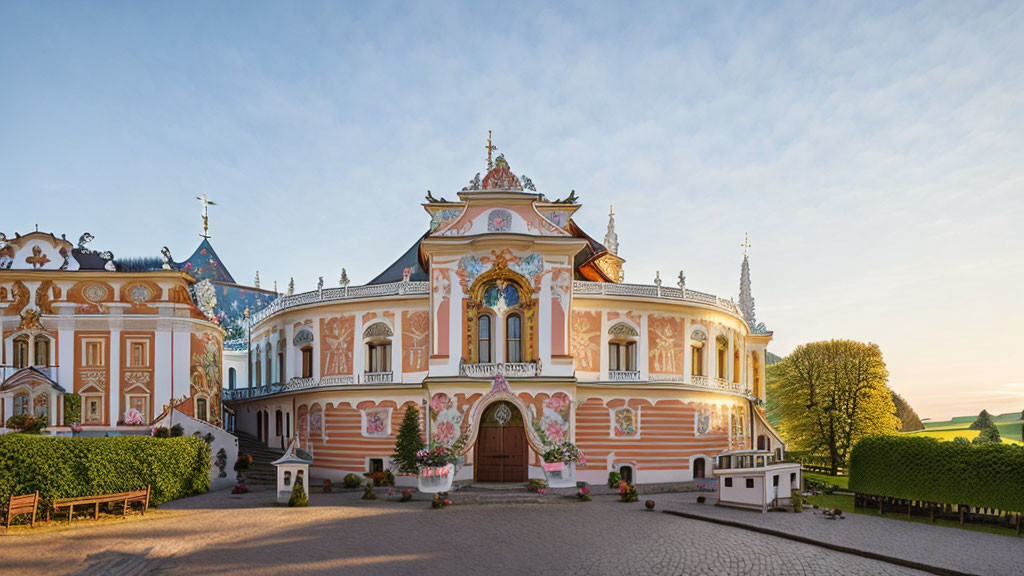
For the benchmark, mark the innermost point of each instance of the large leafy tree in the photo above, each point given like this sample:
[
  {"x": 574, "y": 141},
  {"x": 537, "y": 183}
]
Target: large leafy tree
[
  {"x": 905, "y": 412},
  {"x": 830, "y": 395}
]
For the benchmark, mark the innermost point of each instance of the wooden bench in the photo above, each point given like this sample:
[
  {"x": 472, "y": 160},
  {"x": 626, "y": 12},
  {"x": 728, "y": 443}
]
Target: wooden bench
[
  {"x": 126, "y": 499},
  {"x": 18, "y": 505}
]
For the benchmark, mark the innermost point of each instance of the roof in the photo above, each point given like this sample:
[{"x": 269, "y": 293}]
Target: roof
[
  {"x": 294, "y": 455},
  {"x": 26, "y": 374},
  {"x": 204, "y": 264},
  {"x": 585, "y": 269},
  {"x": 409, "y": 260}
]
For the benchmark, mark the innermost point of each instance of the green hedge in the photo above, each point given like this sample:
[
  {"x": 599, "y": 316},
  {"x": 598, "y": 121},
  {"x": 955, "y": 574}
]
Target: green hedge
[
  {"x": 922, "y": 468},
  {"x": 73, "y": 467}
]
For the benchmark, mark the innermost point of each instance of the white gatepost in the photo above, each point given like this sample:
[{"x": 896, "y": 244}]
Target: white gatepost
[{"x": 291, "y": 468}]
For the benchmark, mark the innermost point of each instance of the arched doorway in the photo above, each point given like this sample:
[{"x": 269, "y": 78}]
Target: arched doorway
[
  {"x": 698, "y": 468},
  {"x": 501, "y": 448}
]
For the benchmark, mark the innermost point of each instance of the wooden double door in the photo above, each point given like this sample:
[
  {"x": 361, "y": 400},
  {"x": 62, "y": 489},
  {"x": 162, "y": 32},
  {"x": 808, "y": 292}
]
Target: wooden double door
[{"x": 501, "y": 450}]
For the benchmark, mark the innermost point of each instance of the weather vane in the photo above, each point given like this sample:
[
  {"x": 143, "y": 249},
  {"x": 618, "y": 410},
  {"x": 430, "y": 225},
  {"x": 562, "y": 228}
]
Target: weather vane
[{"x": 206, "y": 216}]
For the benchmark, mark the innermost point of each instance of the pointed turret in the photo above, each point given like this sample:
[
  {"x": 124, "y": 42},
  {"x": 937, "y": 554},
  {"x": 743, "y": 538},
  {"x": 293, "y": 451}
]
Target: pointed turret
[
  {"x": 746, "y": 300},
  {"x": 611, "y": 239}
]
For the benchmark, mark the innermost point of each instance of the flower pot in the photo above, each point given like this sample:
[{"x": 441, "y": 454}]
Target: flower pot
[
  {"x": 433, "y": 480},
  {"x": 560, "y": 474}
]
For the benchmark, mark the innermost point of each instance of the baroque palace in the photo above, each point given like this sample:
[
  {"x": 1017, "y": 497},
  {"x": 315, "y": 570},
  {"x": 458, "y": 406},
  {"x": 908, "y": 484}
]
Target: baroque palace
[
  {"x": 505, "y": 324},
  {"x": 510, "y": 329}
]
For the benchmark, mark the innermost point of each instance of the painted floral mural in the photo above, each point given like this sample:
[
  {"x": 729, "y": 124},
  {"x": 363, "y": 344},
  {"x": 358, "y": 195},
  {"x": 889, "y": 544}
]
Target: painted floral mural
[
  {"x": 553, "y": 425},
  {"x": 445, "y": 420}
]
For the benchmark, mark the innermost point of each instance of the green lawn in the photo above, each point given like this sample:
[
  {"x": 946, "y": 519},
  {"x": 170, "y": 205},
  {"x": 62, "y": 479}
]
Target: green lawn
[
  {"x": 844, "y": 502},
  {"x": 841, "y": 481}
]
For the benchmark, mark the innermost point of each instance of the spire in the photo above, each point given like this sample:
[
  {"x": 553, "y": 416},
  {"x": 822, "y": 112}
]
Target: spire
[
  {"x": 746, "y": 303},
  {"x": 490, "y": 149},
  {"x": 611, "y": 239},
  {"x": 256, "y": 282}
]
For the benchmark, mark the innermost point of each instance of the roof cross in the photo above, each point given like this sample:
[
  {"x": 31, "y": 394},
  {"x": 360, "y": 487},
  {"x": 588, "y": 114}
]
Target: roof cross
[
  {"x": 746, "y": 243},
  {"x": 490, "y": 148}
]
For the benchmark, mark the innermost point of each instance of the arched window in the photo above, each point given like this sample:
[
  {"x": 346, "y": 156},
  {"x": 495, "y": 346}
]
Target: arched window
[
  {"x": 258, "y": 371},
  {"x": 736, "y": 365},
  {"x": 622, "y": 348},
  {"x": 378, "y": 347},
  {"x": 697, "y": 340},
  {"x": 722, "y": 345},
  {"x": 269, "y": 367},
  {"x": 763, "y": 443},
  {"x": 698, "y": 468},
  {"x": 483, "y": 338},
  {"x": 42, "y": 351},
  {"x": 513, "y": 338},
  {"x": 21, "y": 404},
  {"x": 21, "y": 352},
  {"x": 280, "y": 362},
  {"x": 626, "y": 474},
  {"x": 231, "y": 378}
]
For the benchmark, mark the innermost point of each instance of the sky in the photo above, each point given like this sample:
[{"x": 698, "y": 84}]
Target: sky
[{"x": 873, "y": 151}]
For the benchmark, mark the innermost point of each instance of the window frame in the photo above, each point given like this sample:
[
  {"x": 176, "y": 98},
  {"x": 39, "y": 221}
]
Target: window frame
[
  {"x": 488, "y": 340},
  {"x": 516, "y": 343},
  {"x": 45, "y": 342}
]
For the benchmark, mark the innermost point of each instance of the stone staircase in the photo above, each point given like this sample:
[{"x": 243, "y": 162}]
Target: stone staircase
[
  {"x": 261, "y": 472},
  {"x": 483, "y": 494}
]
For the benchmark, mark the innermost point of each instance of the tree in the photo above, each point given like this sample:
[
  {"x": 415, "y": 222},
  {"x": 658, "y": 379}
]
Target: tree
[
  {"x": 983, "y": 421},
  {"x": 908, "y": 417},
  {"x": 409, "y": 441},
  {"x": 298, "y": 497},
  {"x": 830, "y": 395},
  {"x": 988, "y": 435}
]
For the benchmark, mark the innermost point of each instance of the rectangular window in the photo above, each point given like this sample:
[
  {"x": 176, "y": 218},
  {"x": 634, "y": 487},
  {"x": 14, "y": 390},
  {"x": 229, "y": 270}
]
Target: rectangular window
[
  {"x": 92, "y": 410},
  {"x": 280, "y": 367},
  {"x": 376, "y": 465},
  {"x": 728, "y": 482},
  {"x": 307, "y": 362},
  {"x": 380, "y": 358},
  {"x": 42, "y": 352},
  {"x": 750, "y": 482},
  {"x": 775, "y": 480},
  {"x": 613, "y": 356},
  {"x": 513, "y": 339},
  {"x": 698, "y": 361},
  {"x": 631, "y": 356},
  {"x": 138, "y": 353},
  {"x": 141, "y": 404},
  {"x": 201, "y": 411},
  {"x": 94, "y": 353}
]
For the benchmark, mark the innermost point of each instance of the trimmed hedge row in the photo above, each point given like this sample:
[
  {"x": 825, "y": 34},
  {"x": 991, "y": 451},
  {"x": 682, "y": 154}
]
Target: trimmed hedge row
[
  {"x": 75, "y": 467},
  {"x": 926, "y": 469}
]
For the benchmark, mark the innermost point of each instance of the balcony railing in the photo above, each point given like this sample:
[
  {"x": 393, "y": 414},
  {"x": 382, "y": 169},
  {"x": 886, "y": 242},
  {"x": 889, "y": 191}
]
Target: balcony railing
[
  {"x": 719, "y": 384},
  {"x": 339, "y": 294},
  {"x": 624, "y": 375},
  {"x": 507, "y": 369},
  {"x": 377, "y": 378},
  {"x": 583, "y": 287}
]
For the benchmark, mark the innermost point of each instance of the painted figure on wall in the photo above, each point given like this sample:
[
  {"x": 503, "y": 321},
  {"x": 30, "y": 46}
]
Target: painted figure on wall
[
  {"x": 586, "y": 340},
  {"x": 415, "y": 330},
  {"x": 336, "y": 337},
  {"x": 665, "y": 333}
]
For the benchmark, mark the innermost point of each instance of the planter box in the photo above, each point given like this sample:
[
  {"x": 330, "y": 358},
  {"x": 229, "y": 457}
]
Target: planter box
[
  {"x": 433, "y": 480},
  {"x": 560, "y": 474}
]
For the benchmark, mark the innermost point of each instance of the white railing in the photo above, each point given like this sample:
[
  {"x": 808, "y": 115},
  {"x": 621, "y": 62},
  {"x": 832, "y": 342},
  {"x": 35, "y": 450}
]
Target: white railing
[
  {"x": 507, "y": 369},
  {"x": 624, "y": 375},
  {"x": 583, "y": 287},
  {"x": 301, "y": 383},
  {"x": 248, "y": 393},
  {"x": 339, "y": 294},
  {"x": 337, "y": 380},
  {"x": 377, "y": 377}
]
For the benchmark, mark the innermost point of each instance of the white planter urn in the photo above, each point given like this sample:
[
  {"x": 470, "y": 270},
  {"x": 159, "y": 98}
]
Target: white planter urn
[
  {"x": 560, "y": 474},
  {"x": 433, "y": 480}
]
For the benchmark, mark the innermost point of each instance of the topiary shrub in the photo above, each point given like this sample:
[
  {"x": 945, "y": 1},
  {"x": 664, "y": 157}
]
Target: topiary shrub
[
  {"x": 77, "y": 467},
  {"x": 614, "y": 479},
  {"x": 351, "y": 481},
  {"x": 72, "y": 409},
  {"x": 798, "y": 501},
  {"x": 926, "y": 469},
  {"x": 368, "y": 493},
  {"x": 299, "y": 498}
]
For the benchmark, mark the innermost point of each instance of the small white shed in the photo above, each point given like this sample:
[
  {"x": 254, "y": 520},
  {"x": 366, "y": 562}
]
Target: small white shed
[
  {"x": 754, "y": 479},
  {"x": 292, "y": 467}
]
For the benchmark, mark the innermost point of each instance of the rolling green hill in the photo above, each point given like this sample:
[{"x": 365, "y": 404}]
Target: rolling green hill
[{"x": 1009, "y": 428}]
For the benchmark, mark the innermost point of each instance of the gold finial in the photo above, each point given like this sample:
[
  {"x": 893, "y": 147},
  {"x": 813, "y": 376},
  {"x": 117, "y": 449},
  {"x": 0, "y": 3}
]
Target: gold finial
[
  {"x": 746, "y": 243},
  {"x": 490, "y": 148},
  {"x": 206, "y": 216}
]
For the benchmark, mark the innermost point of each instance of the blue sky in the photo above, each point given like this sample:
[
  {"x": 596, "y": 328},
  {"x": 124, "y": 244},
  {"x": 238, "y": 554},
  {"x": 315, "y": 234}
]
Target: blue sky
[{"x": 874, "y": 151}]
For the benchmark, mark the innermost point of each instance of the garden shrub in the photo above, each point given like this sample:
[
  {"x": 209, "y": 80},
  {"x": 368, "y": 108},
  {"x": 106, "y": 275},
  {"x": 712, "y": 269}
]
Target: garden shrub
[
  {"x": 920, "y": 468},
  {"x": 72, "y": 409},
  {"x": 352, "y": 481},
  {"x": 76, "y": 467},
  {"x": 614, "y": 479},
  {"x": 299, "y": 498},
  {"x": 798, "y": 501},
  {"x": 26, "y": 423}
]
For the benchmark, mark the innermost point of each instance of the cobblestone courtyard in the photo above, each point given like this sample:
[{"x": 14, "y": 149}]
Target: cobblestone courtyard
[{"x": 340, "y": 534}]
